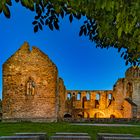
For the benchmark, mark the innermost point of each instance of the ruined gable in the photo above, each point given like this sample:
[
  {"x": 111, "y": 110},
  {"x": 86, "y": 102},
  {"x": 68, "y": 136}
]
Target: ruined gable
[{"x": 29, "y": 85}]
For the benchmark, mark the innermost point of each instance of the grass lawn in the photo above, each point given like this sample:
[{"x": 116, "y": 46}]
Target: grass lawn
[{"x": 51, "y": 128}]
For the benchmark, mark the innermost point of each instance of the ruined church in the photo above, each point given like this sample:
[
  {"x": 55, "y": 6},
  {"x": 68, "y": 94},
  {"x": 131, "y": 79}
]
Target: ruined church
[{"x": 33, "y": 91}]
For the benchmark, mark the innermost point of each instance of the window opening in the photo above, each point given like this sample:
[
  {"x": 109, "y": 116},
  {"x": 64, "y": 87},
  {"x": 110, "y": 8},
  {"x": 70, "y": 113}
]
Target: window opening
[
  {"x": 79, "y": 96},
  {"x": 68, "y": 96},
  {"x": 88, "y": 96}
]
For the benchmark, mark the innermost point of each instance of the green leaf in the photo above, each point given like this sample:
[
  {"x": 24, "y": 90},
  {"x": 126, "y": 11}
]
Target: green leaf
[
  {"x": 38, "y": 10},
  {"x": 40, "y": 26},
  {"x": 118, "y": 17},
  {"x": 41, "y": 21},
  {"x": 37, "y": 17},
  {"x": 34, "y": 22},
  {"x": 24, "y": 3},
  {"x": 122, "y": 54},
  {"x": 50, "y": 26},
  {"x": 35, "y": 28},
  {"x": 6, "y": 11},
  {"x": 70, "y": 18},
  {"x": 9, "y": 2},
  {"x": 119, "y": 32},
  {"x": 78, "y": 16},
  {"x": 125, "y": 56},
  {"x": 127, "y": 27},
  {"x": 45, "y": 2},
  {"x": 136, "y": 33},
  {"x": 126, "y": 62},
  {"x": 0, "y": 7},
  {"x": 62, "y": 13},
  {"x": 46, "y": 22},
  {"x": 81, "y": 32},
  {"x": 56, "y": 25},
  {"x": 85, "y": 31}
]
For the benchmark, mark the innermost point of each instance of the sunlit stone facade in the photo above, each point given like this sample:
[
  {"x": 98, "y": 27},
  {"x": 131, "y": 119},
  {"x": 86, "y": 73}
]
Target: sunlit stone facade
[
  {"x": 121, "y": 102},
  {"x": 32, "y": 90}
]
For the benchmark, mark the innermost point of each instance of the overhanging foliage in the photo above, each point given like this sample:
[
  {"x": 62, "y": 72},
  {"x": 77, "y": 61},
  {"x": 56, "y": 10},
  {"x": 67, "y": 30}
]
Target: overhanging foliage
[{"x": 109, "y": 23}]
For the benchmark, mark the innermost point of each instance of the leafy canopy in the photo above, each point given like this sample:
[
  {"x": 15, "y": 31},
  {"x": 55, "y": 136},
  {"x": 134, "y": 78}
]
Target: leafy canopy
[{"x": 109, "y": 23}]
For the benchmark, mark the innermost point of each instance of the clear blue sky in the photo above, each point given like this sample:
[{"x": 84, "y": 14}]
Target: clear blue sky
[{"x": 80, "y": 63}]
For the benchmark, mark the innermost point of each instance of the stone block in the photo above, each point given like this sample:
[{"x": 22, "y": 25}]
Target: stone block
[
  {"x": 42, "y": 136},
  {"x": 70, "y": 138},
  {"x": 70, "y": 134},
  {"x": 100, "y": 136},
  {"x": 19, "y": 138},
  {"x": 120, "y": 138}
]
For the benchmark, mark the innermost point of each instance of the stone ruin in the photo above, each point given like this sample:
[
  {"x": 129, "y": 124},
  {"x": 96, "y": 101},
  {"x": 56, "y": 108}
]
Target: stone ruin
[{"x": 33, "y": 91}]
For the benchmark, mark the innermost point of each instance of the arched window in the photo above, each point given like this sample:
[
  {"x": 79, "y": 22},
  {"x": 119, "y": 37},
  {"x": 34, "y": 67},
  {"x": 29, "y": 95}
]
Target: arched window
[
  {"x": 88, "y": 96},
  {"x": 129, "y": 89},
  {"x": 97, "y": 100},
  {"x": 99, "y": 115},
  {"x": 79, "y": 96},
  {"x": 110, "y": 96},
  {"x": 69, "y": 96},
  {"x": 67, "y": 115},
  {"x": 30, "y": 87},
  {"x": 97, "y": 96},
  {"x": 112, "y": 116}
]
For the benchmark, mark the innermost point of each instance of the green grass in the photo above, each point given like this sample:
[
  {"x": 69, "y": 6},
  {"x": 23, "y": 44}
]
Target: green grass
[{"x": 51, "y": 128}]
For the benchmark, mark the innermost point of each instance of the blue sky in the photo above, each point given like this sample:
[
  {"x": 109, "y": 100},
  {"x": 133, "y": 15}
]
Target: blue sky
[{"x": 80, "y": 63}]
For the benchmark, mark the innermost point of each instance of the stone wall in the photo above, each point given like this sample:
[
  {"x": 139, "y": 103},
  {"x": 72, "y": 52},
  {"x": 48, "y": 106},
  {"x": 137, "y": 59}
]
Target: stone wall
[
  {"x": 29, "y": 85},
  {"x": 61, "y": 96},
  {"x": 93, "y": 104},
  {"x": 121, "y": 102},
  {"x": 127, "y": 112},
  {"x": 133, "y": 82}
]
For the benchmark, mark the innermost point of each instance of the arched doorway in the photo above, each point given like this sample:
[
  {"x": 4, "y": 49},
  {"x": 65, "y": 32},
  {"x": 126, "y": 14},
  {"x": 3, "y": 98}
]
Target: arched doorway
[
  {"x": 112, "y": 116},
  {"x": 67, "y": 115},
  {"x": 83, "y": 115},
  {"x": 80, "y": 115},
  {"x": 99, "y": 115}
]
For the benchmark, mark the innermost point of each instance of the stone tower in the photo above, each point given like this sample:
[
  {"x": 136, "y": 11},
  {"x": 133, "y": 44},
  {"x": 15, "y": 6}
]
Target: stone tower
[
  {"x": 132, "y": 89},
  {"x": 30, "y": 86}
]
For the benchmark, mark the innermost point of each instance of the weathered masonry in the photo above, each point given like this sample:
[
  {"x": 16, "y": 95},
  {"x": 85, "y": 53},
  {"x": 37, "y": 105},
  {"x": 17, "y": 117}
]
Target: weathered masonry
[
  {"x": 31, "y": 87},
  {"x": 33, "y": 90}
]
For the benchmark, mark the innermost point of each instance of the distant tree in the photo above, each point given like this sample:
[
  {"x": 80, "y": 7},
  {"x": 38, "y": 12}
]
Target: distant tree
[{"x": 109, "y": 23}]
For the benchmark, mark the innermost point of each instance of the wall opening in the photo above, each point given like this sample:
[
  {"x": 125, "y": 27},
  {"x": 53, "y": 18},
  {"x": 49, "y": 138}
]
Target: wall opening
[
  {"x": 79, "y": 96},
  {"x": 99, "y": 115},
  {"x": 88, "y": 96},
  {"x": 69, "y": 96},
  {"x": 97, "y": 100},
  {"x": 112, "y": 116},
  {"x": 80, "y": 115},
  {"x": 97, "y": 96},
  {"x": 67, "y": 115},
  {"x": 110, "y": 96}
]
